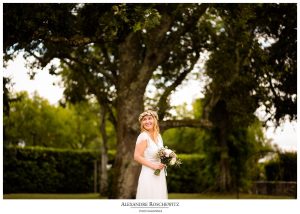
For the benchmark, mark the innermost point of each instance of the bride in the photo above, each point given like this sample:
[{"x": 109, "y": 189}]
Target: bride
[{"x": 150, "y": 186}]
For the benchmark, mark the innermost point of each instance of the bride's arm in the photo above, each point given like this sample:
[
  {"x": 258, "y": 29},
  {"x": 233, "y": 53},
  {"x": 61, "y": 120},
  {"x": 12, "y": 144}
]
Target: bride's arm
[{"x": 139, "y": 156}]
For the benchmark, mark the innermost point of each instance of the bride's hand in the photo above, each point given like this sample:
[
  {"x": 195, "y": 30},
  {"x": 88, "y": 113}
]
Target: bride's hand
[{"x": 158, "y": 166}]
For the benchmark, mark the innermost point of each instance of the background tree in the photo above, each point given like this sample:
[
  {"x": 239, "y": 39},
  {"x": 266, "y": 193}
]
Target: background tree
[
  {"x": 238, "y": 87},
  {"x": 280, "y": 60},
  {"x": 34, "y": 122}
]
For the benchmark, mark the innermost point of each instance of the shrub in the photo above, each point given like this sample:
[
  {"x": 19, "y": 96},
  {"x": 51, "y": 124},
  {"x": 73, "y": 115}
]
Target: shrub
[
  {"x": 189, "y": 177},
  {"x": 44, "y": 170}
]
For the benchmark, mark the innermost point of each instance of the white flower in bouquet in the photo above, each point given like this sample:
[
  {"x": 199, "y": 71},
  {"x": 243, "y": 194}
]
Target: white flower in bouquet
[
  {"x": 173, "y": 161},
  {"x": 168, "y": 152}
]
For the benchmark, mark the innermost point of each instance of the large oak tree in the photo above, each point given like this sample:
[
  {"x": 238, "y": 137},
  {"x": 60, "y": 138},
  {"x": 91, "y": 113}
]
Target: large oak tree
[{"x": 114, "y": 48}]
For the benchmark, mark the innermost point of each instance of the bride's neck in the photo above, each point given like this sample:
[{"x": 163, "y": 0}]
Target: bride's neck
[
  {"x": 150, "y": 132},
  {"x": 154, "y": 138}
]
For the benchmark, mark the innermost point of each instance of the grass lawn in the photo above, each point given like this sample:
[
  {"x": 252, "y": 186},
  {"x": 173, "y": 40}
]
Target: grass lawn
[
  {"x": 171, "y": 196},
  {"x": 52, "y": 196},
  {"x": 223, "y": 196}
]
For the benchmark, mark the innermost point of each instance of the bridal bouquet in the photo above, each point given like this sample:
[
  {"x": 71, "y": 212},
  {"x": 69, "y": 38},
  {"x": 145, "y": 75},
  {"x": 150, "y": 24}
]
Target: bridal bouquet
[{"x": 167, "y": 157}]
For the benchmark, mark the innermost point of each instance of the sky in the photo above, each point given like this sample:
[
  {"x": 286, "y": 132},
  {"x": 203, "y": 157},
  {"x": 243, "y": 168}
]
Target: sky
[{"x": 48, "y": 87}]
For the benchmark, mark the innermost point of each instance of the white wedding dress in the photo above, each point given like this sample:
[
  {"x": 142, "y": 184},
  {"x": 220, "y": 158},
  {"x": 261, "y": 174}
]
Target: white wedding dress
[{"x": 151, "y": 186}]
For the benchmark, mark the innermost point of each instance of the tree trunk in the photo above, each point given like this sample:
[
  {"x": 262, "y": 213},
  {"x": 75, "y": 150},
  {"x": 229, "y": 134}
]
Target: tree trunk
[
  {"x": 126, "y": 170},
  {"x": 132, "y": 83},
  {"x": 225, "y": 177},
  {"x": 220, "y": 118},
  {"x": 104, "y": 155}
]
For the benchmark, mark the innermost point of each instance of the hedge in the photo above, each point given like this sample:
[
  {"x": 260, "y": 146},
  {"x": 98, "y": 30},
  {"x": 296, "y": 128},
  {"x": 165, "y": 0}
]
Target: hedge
[
  {"x": 189, "y": 177},
  {"x": 45, "y": 170}
]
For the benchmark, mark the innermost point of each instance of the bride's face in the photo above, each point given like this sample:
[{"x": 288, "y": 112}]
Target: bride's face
[{"x": 148, "y": 123}]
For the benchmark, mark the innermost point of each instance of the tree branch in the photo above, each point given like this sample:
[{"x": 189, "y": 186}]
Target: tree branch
[
  {"x": 112, "y": 66},
  {"x": 167, "y": 124},
  {"x": 75, "y": 41},
  {"x": 101, "y": 96},
  {"x": 162, "y": 104},
  {"x": 106, "y": 74}
]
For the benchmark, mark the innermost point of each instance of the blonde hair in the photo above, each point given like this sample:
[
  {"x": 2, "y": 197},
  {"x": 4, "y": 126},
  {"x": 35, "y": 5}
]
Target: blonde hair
[{"x": 155, "y": 127}]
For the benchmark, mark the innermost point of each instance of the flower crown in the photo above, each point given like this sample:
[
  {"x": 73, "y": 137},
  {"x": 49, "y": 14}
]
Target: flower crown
[{"x": 148, "y": 113}]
